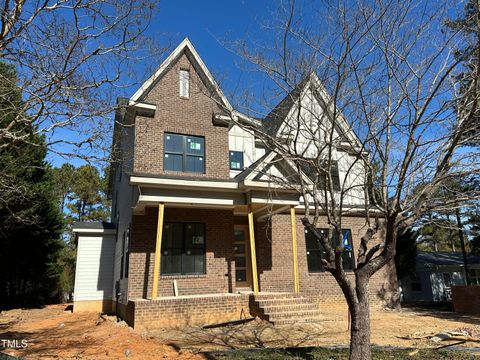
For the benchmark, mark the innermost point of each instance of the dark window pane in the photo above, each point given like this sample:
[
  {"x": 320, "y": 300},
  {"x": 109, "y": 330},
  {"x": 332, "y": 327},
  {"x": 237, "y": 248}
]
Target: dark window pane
[
  {"x": 314, "y": 261},
  {"x": 195, "y": 145},
  {"x": 239, "y": 248},
  {"x": 194, "y": 236},
  {"x": 183, "y": 248},
  {"x": 240, "y": 261},
  {"x": 241, "y": 275},
  {"x": 236, "y": 160},
  {"x": 173, "y": 162},
  {"x": 173, "y": 143},
  {"x": 239, "y": 235},
  {"x": 194, "y": 164},
  {"x": 171, "y": 261}
]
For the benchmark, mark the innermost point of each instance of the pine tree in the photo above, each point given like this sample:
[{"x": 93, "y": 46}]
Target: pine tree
[{"x": 30, "y": 221}]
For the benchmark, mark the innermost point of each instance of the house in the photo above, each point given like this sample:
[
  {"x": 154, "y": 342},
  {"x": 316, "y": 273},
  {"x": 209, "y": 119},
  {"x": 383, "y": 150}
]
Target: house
[
  {"x": 200, "y": 232},
  {"x": 435, "y": 274}
]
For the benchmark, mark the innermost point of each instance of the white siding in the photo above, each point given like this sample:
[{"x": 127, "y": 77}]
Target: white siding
[
  {"x": 94, "y": 272},
  {"x": 241, "y": 140}
]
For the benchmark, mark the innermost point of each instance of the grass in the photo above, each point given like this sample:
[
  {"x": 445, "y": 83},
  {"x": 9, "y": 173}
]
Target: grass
[{"x": 337, "y": 354}]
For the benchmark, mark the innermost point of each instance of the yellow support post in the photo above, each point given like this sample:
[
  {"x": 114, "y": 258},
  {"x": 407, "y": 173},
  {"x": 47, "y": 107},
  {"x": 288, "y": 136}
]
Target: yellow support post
[
  {"x": 253, "y": 254},
  {"x": 296, "y": 283},
  {"x": 158, "y": 249}
]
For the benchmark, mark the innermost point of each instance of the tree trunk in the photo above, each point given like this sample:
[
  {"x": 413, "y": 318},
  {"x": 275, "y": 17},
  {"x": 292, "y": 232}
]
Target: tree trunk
[{"x": 360, "y": 328}]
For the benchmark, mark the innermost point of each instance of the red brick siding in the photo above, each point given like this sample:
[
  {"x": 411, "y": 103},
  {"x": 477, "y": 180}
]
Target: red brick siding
[
  {"x": 274, "y": 257},
  {"x": 219, "y": 253},
  {"x": 191, "y": 116},
  {"x": 275, "y": 262},
  {"x": 189, "y": 311}
]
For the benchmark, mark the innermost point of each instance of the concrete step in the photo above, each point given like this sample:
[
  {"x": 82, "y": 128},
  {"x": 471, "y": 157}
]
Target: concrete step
[
  {"x": 277, "y": 301},
  {"x": 298, "y": 315},
  {"x": 289, "y": 307},
  {"x": 292, "y": 321}
]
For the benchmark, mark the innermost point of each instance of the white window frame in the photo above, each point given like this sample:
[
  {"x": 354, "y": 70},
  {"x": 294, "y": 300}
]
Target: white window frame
[{"x": 184, "y": 83}]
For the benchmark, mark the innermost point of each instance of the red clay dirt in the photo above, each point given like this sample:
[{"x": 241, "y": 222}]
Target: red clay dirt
[{"x": 53, "y": 333}]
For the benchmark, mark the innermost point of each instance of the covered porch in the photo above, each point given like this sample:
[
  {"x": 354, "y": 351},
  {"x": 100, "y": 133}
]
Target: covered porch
[{"x": 224, "y": 236}]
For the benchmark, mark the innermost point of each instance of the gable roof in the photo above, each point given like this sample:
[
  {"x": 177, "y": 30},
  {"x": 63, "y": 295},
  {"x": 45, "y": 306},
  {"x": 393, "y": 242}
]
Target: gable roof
[
  {"x": 442, "y": 258},
  {"x": 252, "y": 175},
  {"x": 185, "y": 47},
  {"x": 277, "y": 117}
]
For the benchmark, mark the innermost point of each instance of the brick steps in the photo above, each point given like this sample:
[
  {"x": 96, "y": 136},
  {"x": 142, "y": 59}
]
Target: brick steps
[{"x": 285, "y": 309}]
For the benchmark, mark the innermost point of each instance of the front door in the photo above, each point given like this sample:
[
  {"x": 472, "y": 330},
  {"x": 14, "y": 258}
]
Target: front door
[{"x": 242, "y": 258}]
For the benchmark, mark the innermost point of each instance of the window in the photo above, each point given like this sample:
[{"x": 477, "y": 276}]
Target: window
[
  {"x": 183, "y": 249},
  {"x": 475, "y": 276},
  {"x": 184, "y": 153},
  {"x": 315, "y": 251},
  {"x": 415, "y": 282},
  {"x": 311, "y": 171},
  {"x": 236, "y": 160},
  {"x": 184, "y": 83}
]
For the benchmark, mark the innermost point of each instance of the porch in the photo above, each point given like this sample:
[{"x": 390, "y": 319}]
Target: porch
[{"x": 208, "y": 309}]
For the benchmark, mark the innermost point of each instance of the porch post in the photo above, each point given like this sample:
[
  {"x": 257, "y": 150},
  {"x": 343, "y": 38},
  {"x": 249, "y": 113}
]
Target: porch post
[
  {"x": 158, "y": 249},
  {"x": 253, "y": 254},
  {"x": 296, "y": 284}
]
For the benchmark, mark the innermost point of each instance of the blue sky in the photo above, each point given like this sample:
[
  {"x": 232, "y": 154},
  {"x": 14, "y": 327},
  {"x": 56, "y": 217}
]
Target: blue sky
[{"x": 206, "y": 24}]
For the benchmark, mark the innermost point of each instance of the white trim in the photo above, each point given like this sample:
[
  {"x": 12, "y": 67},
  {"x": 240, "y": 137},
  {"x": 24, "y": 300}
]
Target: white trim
[
  {"x": 139, "y": 180},
  {"x": 185, "y": 200},
  {"x": 185, "y": 44},
  {"x": 142, "y": 105},
  {"x": 94, "y": 231}
]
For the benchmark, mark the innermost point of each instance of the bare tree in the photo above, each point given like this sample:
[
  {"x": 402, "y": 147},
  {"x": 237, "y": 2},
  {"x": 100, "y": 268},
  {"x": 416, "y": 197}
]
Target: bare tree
[
  {"x": 72, "y": 57},
  {"x": 374, "y": 93}
]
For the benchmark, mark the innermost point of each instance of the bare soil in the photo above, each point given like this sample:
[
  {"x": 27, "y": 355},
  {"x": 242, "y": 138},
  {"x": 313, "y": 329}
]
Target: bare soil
[{"x": 53, "y": 333}]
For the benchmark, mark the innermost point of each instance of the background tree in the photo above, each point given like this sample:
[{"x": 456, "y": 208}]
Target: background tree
[
  {"x": 72, "y": 57},
  {"x": 376, "y": 67},
  {"x": 30, "y": 221},
  {"x": 468, "y": 53},
  {"x": 82, "y": 196}
]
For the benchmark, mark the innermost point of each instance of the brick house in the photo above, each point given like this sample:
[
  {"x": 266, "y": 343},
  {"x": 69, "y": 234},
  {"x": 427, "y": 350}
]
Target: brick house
[{"x": 199, "y": 234}]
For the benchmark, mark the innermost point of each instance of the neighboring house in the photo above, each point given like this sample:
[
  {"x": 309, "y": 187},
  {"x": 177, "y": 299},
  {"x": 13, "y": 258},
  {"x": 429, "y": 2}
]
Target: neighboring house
[
  {"x": 435, "y": 273},
  {"x": 202, "y": 235}
]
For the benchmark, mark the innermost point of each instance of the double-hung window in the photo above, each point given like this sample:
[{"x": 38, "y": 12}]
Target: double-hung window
[
  {"x": 184, "y": 153},
  {"x": 183, "y": 248},
  {"x": 236, "y": 160},
  {"x": 316, "y": 252}
]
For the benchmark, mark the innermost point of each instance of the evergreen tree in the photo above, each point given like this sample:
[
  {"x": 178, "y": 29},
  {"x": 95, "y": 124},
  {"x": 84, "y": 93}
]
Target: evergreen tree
[
  {"x": 469, "y": 55},
  {"x": 30, "y": 221}
]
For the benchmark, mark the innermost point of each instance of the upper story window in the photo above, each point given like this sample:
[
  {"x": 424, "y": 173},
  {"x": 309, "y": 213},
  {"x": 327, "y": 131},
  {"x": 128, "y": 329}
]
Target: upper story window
[
  {"x": 316, "y": 252},
  {"x": 184, "y": 83},
  {"x": 311, "y": 171},
  {"x": 236, "y": 160},
  {"x": 184, "y": 153}
]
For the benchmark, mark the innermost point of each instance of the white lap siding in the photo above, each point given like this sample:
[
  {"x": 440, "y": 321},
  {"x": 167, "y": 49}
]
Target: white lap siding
[{"x": 94, "y": 271}]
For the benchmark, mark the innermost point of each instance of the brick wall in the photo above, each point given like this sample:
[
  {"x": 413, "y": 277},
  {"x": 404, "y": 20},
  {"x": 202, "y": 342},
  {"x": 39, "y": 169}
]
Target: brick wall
[
  {"x": 275, "y": 263},
  {"x": 466, "y": 299},
  {"x": 201, "y": 310},
  {"x": 274, "y": 257},
  {"x": 192, "y": 116},
  {"x": 219, "y": 254}
]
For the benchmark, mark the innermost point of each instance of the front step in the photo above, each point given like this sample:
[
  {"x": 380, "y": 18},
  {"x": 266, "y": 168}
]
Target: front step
[{"x": 284, "y": 308}]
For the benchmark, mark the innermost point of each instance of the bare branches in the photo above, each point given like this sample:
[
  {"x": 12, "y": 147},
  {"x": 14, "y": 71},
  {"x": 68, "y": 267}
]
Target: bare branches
[{"x": 71, "y": 57}]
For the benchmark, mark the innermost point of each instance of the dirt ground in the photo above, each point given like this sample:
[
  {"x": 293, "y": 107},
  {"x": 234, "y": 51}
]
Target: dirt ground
[
  {"x": 403, "y": 328},
  {"x": 53, "y": 333}
]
